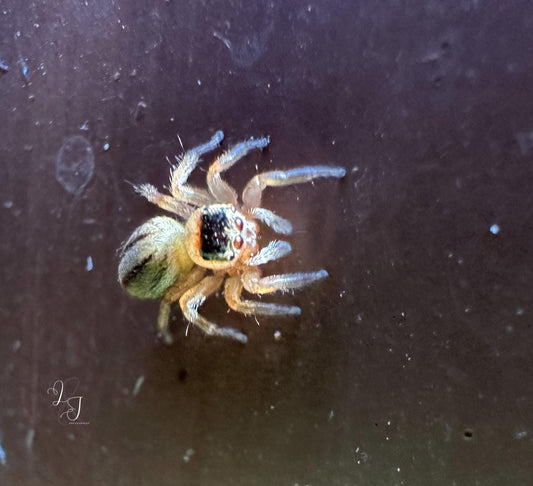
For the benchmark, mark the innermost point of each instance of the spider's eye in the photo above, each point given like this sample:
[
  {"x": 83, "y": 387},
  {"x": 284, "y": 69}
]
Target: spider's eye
[
  {"x": 237, "y": 242},
  {"x": 239, "y": 224}
]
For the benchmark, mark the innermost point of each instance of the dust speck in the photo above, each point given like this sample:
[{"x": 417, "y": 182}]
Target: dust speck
[
  {"x": 138, "y": 383},
  {"x": 494, "y": 229},
  {"x": 140, "y": 110},
  {"x": 188, "y": 455},
  {"x": 30, "y": 434},
  {"x": 525, "y": 142},
  {"x": 3, "y": 457},
  {"x": 24, "y": 69}
]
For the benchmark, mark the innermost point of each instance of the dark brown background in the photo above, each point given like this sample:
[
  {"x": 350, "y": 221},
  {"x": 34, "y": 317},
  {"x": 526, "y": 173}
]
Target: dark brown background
[{"x": 410, "y": 365}]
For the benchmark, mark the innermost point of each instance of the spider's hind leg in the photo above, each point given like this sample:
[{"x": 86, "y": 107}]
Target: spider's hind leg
[
  {"x": 195, "y": 297},
  {"x": 171, "y": 296}
]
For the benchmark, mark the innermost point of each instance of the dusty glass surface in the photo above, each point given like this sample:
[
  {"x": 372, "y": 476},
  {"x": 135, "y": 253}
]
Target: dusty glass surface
[{"x": 411, "y": 364}]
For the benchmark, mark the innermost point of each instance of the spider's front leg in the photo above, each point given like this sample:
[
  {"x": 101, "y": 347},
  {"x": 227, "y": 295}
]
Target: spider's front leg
[
  {"x": 195, "y": 297},
  {"x": 252, "y": 193},
  {"x": 271, "y": 219},
  {"x": 186, "y": 164},
  {"x": 221, "y": 190}
]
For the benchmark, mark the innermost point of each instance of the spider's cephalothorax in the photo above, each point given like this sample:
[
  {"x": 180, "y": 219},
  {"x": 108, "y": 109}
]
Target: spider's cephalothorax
[
  {"x": 219, "y": 235},
  {"x": 164, "y": 258}
]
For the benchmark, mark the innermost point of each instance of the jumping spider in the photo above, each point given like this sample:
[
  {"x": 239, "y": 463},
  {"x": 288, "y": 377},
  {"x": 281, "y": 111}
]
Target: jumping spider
[{"x": 167, "y": 259}]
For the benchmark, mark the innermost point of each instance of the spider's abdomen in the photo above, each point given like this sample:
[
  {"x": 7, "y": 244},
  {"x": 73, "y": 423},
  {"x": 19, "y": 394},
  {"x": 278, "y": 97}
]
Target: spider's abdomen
[{"x": 154, "y": 258}]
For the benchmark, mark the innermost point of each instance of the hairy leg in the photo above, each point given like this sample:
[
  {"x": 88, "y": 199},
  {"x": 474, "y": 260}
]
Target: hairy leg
[
  {"x": 273, "y": 251},
  {"x": 221, "y": 190},
  {"x": 165, "y": 202},
  {"x": 254, "y": 283},
  {"x": 252, "y": 193},
  {"x": 185, "y": 165},
  {"x": 195, "y": 297},
  {"x": 233, "y": 297},
  {"x": 172, "y": 295},
  {"x": 277, "y": 223}
]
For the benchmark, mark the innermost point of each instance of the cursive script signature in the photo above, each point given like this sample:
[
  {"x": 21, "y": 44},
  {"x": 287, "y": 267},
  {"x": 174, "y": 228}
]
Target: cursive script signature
[{"x": 70, "y": 407}]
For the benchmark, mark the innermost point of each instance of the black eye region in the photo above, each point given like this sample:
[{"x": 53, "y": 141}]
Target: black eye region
[{"x": 214, "y": 240}]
